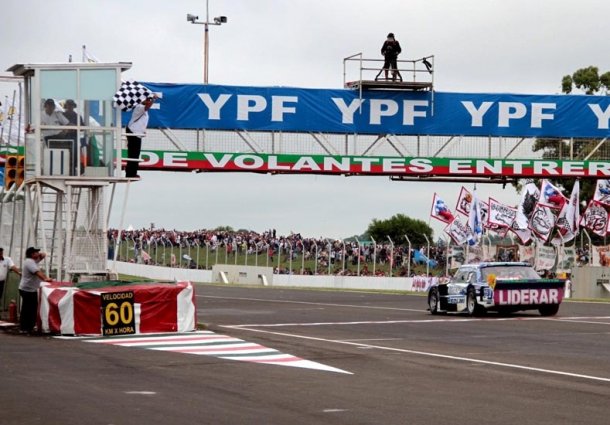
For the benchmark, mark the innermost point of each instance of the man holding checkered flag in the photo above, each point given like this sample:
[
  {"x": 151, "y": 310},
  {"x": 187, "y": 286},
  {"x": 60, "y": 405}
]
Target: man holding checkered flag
[{"x": 133, "y": 95}]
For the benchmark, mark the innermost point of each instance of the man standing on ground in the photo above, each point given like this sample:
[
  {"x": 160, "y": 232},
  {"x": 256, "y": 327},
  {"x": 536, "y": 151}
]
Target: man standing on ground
[
  {"x": 28, "y": 288},
  {"x": 6, "y": 265}
]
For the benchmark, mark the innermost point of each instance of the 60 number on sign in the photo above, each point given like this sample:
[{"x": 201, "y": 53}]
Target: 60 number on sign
[{"x": 118, "y": 314}]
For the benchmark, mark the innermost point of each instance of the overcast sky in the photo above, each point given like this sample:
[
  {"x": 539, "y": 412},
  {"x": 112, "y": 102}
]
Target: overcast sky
[{"x": 517, "y": 46}]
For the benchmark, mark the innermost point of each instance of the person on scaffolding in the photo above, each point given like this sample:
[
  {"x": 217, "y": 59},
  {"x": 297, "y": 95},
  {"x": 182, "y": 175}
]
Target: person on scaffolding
[{"x": 390, "y": 51}]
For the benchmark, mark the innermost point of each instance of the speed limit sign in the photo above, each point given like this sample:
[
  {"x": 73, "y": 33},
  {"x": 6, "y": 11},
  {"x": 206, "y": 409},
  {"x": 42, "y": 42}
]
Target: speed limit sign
[{"x": 118, "y": 313}]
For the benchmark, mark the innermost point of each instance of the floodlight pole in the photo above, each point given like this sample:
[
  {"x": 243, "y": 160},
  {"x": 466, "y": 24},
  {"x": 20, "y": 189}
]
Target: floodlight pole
[
  {"x": 358, "y": 242},
  {"x": 219, "y": 20},
  {"x": 408, "y": 257},
  {"x": 428, "y": 255},
  {"x": 343, "y": 258},
  {"x": 374, "y": 254},
  {"x": 391, "y": 254},
  {"x": 302, "y": 257},
  {"x": 290, "y": 259},
  {"x": 206, "y": 43}
]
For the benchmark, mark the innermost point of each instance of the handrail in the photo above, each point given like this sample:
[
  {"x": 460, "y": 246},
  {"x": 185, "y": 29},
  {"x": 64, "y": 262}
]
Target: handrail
[{"x": 423, "y": 65}]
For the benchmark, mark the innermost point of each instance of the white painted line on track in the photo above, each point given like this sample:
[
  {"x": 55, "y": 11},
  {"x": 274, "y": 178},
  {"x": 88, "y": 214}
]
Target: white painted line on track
[
  {"x": 587, "y": 319},
  {"x": 581, "y": 317},
  {"x": 372, "y": 339},
  {"x": 449, "y": 319},
  {"x": 390, "y": 322},
  {"x": 428, "y": 354},
  {"x": 367, "y": 322},
  {"x": 582, "y": 321},
  {"x": 312, "y": 303},
  {"x": 141, "y": 392}
]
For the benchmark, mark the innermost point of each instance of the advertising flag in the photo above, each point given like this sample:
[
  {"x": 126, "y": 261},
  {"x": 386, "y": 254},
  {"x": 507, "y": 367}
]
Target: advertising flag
[
  {"x": 440, "y": 211},
  {"x": 602, "y": 192},
  {"x": 474, "y": 220},
  {"x": 551, "y": 196},
  {"x": 595, "y": 218},
  {"x": 542, "y": 222},
  {"x": 484, "y": 213},
  {"x": 569, "y": 216},
  {"x": 501, "y": 215},
  {"x": 545, "y": 257},
  {"x": 458, "y": 231},
  {"x": 529, "y": 197},
  {"x": 464, "y": 201}
]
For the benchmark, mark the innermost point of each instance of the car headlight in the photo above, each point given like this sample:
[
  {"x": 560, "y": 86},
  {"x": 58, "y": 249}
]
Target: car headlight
[{"x": 456, "y": 290}]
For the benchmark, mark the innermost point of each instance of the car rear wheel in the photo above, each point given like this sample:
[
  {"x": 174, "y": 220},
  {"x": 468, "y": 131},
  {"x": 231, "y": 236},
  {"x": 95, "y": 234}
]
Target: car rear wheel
[
  {"x": 549, "y": 309},
  {"x": 433, "y": 301}
]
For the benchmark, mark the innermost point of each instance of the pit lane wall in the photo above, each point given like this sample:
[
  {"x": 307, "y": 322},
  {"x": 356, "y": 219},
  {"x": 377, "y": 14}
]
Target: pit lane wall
[
  {"x": 591, "y": 282},
  {"x": 254, "y": 276}
]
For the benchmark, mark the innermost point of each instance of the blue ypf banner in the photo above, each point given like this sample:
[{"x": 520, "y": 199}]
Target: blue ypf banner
[{"x": 214, "y": 107}]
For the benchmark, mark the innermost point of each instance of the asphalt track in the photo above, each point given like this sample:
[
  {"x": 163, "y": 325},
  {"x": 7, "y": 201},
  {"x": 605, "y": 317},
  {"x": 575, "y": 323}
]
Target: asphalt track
[{"x": 400, "y": 366}]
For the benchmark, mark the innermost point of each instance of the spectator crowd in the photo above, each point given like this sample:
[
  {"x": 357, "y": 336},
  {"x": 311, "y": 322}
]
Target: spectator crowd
[{"x": 294, "y": 250}]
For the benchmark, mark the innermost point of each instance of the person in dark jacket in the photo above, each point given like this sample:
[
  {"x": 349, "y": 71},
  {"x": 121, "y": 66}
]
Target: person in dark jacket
[{"x": 390, "y": 51}]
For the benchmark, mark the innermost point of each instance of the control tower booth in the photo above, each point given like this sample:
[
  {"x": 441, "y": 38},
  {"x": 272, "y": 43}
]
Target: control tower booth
[
  {"x": 73, "y": 130},
  {"x": 73, "y": 148}
]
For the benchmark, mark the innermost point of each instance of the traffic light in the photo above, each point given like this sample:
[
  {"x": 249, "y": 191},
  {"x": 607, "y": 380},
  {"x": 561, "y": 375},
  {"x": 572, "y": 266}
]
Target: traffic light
[{"x": 14, "y": 170}]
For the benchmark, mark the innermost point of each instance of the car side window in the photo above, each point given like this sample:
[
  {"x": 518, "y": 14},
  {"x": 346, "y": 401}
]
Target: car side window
[{"x": 460, "y": 276}]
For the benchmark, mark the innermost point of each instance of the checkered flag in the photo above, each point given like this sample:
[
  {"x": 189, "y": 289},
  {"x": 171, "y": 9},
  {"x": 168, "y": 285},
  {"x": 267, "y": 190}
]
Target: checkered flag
[{"x": 130, "y": 94}]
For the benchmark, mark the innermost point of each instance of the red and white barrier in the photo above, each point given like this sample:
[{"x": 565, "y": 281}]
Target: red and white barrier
[{"x": 158, "y": 307}]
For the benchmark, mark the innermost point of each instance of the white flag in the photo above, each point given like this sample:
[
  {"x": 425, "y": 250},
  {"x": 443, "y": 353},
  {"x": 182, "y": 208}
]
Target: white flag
[
  {"x": 602, "y": 192},
  {"x": 458, "y": 231},
  {"x": 88, "y": 57},
  {"x": 595, "y": 218},
  {"x": 464, "y": 201},
  {"x": 542, "y": 222},
  {"x": 484, "y": 213},
  {"x": 520, "y": 226},
  {"x": 569, "y": 216},
  {"x": 500, "y": 214},
  {"x": 474, "y": 220}
]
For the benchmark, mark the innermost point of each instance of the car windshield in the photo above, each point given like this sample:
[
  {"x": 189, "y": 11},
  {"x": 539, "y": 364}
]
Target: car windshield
[{"x": 510, "y": 272}]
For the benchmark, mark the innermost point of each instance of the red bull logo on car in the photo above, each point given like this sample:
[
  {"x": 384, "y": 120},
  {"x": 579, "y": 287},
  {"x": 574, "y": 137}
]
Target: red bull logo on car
[{"x": 528, "y": 296}]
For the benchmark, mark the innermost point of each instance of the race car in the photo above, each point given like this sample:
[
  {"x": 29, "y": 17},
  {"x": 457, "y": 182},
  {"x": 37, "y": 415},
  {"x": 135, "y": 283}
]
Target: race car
[{"x": 504, "y": 287}]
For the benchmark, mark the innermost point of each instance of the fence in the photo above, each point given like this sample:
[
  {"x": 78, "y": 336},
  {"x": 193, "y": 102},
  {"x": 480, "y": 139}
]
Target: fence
[
  {"x": 354, "y": 258},
  {"x": 320, "y": 257}
]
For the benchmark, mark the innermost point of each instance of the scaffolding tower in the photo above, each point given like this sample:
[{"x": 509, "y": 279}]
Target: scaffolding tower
[{"x": 71, "y": 168}]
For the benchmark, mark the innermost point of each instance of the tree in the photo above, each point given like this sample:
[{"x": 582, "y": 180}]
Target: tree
[
  {"x": 399, "y": 225},
  {"x": 224, "y": 229},
  {"x": 588, "y": 80}
]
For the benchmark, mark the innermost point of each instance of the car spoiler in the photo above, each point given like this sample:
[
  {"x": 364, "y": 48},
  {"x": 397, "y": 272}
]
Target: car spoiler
[{"x": 529, "y": 283}]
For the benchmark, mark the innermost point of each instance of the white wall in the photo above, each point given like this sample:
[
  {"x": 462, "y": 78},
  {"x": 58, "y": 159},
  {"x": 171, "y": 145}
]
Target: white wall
[{"x": 280, "y": 280}]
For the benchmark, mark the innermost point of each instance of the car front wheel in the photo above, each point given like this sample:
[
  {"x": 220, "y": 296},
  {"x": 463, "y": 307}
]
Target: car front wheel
[
  {"x": 471, "y": 302},
  {"x": 433, "y": 301}
]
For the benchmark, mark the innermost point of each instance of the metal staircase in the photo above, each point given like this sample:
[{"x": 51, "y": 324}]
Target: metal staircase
[{"x": 68, "y": 224}]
